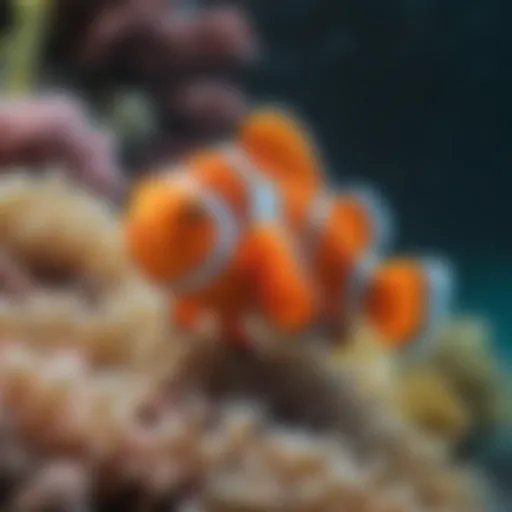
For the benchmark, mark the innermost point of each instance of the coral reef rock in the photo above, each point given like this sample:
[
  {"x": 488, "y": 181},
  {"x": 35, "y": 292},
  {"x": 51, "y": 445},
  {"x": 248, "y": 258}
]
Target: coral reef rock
[{"x": 104, "y": 406}]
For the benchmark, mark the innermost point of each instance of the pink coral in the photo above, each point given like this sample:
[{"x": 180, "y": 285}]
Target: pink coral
[{"x": 53, "y": 130}]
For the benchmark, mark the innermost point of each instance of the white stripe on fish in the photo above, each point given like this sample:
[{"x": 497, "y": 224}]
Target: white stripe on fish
[{"x": 228, "y": 237}]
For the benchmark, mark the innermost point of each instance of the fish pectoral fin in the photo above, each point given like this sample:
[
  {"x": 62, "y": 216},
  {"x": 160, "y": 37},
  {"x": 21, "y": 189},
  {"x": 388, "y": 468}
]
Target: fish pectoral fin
[
  {"x": 283, "y": 290},
  {"x": 407, "y": 299},
  {"x": 278, "y": 143}
]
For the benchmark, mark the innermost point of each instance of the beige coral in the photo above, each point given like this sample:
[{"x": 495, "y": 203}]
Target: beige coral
[
  {"x": 450, "y": 390},
  {"x": 464, "y": 353},
  {"x": 65, "y": 236},
  {"x": 240, "y": 461},
  {"x": 99, "y": 389},
  {"x": 48, "y": 222}
]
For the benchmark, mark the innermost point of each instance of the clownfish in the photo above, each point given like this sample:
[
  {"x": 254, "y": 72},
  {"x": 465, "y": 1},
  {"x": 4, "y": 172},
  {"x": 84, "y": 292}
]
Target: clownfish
[{"x": 252, "y": 226}]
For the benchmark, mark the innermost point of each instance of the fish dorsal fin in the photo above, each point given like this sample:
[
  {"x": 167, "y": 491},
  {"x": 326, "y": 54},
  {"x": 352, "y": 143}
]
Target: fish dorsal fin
[{"x": 281, "y": 146}]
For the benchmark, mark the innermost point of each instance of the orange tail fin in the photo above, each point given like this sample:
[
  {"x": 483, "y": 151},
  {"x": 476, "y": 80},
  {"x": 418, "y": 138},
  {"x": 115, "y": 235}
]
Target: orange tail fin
[
  {"x": 281, "y": 147},
  {"x": 406, "y": 299}
]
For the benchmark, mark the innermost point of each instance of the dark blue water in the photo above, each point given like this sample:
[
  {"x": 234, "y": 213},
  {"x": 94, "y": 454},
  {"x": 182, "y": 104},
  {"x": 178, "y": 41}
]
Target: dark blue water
[
  {"x": 413, "y": 96},
  {"x": 487, "y": 290}
]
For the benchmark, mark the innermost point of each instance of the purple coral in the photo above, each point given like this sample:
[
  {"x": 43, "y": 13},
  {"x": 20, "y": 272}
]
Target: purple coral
[{"x": 182, "y": 58}]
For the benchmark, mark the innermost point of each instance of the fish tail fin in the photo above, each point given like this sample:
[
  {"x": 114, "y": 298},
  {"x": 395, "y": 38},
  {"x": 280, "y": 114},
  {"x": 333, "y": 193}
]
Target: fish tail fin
[{"x": 406, "y": 300}]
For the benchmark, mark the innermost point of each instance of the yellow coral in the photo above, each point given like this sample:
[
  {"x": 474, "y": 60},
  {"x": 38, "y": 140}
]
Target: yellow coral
[
  {"x": 464, "y": 354},
  {"x": 453, "y": 389},
  {"x": 428, "y": 401},
  {"x": 373, "y": 365}
]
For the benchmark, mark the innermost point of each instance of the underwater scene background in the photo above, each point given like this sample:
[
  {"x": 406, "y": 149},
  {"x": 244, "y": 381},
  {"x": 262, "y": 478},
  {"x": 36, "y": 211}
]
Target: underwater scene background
[{"x": 409, "y": 96}]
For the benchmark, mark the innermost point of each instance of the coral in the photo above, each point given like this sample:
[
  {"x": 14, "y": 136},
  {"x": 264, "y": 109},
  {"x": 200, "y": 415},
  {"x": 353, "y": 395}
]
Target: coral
[
  {"x": 53, "y": 129},
  {"x": 38, "y": 214},
  {"x": 373, "y": 366},
  {"x": 454, "y": 389},
  {"x": 183, "y": 59},
  {"x": 100, "y": 398},
  {"x": 153, "y": 38},
  {"x": 71, "y": 267},
  {"x": 429, "y": 401},
  {"x": 464, "y": 354},
  {"x": 233, "y": 457}
]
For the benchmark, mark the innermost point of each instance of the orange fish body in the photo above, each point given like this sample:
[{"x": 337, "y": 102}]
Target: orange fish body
[
  {"x": 203, "y": 232},
  {"x": 250, "y": 227},
  {"x": 403, "y": 298}
]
